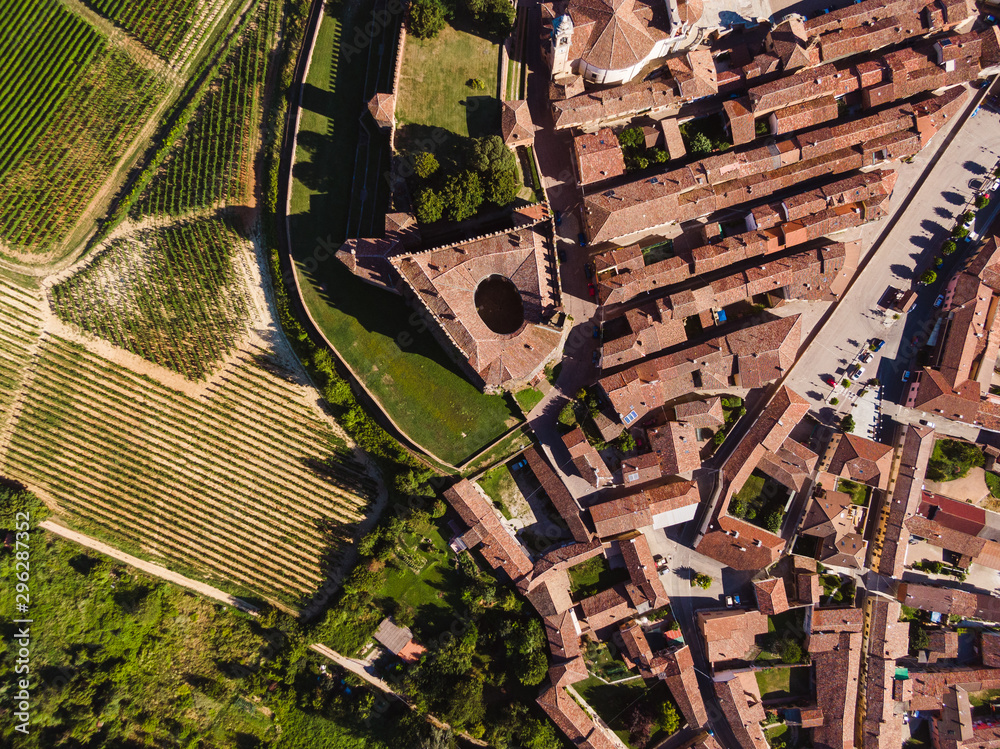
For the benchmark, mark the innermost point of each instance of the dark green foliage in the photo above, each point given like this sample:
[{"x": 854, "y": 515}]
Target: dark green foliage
[
  {"x": 992, "y": 482},
  {"x": 425, "y": 164},
  {"x": 494, "y": 17},
  {"x": 427, "y": 18},
  {"x": 773, "y": 521},
  {"x": 968, "y": 216},
  {"x": 952, "y": 459},
  {"x": 626, "y": 442},
  {"x": 919, "y": 637},
  {"x": 938, "y": 261},
  {"x": 847, "y": 423},
  {"x": 719, "y": 437},
  {"x": 761, "y": 127},
  {"x": 659, "y": 155},
  {"x": 790, "y": 651},
  {"x": 960, "y": 232},
  {"x": 702, "y": 581},
  {"x": 463, "y": 194},
  {"x": 430, "y": 206},
  {"x": 982, "y": 201},
  {"x": 948, "y": 247},
  {"x": 631, "y": 137},
  {"x": 699, "y": 145},
  {"x": 567, "y": 416}
]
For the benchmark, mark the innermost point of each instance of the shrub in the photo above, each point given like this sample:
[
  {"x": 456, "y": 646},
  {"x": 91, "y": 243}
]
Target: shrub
[
  {"x": 626, "y": 442},
  {"x": 631, "y": 137},
  {"x": 719, "y": 437},
  {"x": 702, "y": 581},
  {"x": 773, "y": 521},
  {"x": 425, "y": 164},
  {"x": 834, "y": 401},
  {"x": 847, "y": 423},
  {"x": 567, "y": 416},
  {"x": 789, "y": 651},
  {"x": 427, "y": 18},
  {"x": 938, "y": 261},
  {"x": 992, "y": 483},
  {"x": 952, "y": 459},
  {"x": 845, "y": 382},
  {"x": 928, "y": 277},
  {"x": 659, "y": 155},
  {"x": 960, "y": 232},
  {"x": 761, "y": 128},
  {"x": 430, "y": 206},
  {"x": 476, "y": 84},
  {"x": 982, "y": 201},
  {"x": 948, "y": 247}
]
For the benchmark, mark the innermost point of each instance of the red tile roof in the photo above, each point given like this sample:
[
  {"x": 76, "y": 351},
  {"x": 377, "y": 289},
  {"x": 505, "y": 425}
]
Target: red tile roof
[
  {"x": 499, "y": 547},
  {"x": 557, "y": 492},
  {"x": 771, "y": 597},
  {"x": 598, "y": 156}
]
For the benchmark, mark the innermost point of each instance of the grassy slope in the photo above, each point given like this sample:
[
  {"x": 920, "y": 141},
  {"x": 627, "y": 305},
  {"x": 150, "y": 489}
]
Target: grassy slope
[
  {"x": 433, "y": 83},
  {"x": 415, "y": 380},
  {"x": 159, "y": 666}
]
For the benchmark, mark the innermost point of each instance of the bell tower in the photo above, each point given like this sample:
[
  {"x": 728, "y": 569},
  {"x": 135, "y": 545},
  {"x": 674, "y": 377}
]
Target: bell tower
[{"x": 562, "y": 39}]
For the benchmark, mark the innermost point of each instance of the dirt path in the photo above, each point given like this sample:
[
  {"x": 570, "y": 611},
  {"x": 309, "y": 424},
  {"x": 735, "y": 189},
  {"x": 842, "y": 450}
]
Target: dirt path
[{"x": 156, "y": 570}]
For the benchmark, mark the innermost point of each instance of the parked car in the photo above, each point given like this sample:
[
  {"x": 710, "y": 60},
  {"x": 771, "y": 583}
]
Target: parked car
[
  {"x": 939, "y": 301},
  {"x": 858, "y": 372},
  {"x": 561, "y": 252},
  {"x": 829, "y": 381},
  {"x": 558, "y": 217},
  {"x": 877, "y": 344},
  {"x": 591, "y": 289},
  {"x": 867, "y": 357},
  {"x": 596, "y": 357},
  {"x": 597, "y": 331},
  {"x": 588, "y": 270},
  {"x": 519, "y": 464},
  {"x": 906, "y": 376},
  {"x": 581, "y": 238},
  {"x": 729, "y": 602}
]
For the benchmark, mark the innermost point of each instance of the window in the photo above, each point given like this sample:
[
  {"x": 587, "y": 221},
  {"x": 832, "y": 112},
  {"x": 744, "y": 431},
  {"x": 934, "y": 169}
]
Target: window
[
  {"x": 630, "y": 417},
  {"x": 632, "y": 476}
]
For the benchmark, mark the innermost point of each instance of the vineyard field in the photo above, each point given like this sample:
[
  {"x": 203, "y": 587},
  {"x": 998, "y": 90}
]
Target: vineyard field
[
  {"x": 249, "y": 483},
  {"x": 70, "y": 105},
  {"x": 161, "y": 25},
  {"x": 170, "y": 294},
  {"x": 213, "y": 163}
]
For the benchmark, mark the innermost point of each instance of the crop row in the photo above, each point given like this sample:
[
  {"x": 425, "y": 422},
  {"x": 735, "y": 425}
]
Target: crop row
[
  {"x": 158, "y": 24},
  {"x": 170, "y": 295},
  {"x": 75, "y": 139},
  {"x": 213, "y": 162}
]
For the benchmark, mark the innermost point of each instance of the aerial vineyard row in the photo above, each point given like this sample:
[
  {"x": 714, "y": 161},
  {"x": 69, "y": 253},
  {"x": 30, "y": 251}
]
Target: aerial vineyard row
[
  {"x": 213, "y": 162},
  {"x": 20, "y": 327},
  {"x": 169, "y": 294},
  {"x": 223, "y": 483},
  {"x": 160, "y": 25}
]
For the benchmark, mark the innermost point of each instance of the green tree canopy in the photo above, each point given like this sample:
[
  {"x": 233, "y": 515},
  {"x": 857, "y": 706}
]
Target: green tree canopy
[
  {"x": 430, "y": 206},
  {"x": 463, "y": 194},
  {"x": 699, "y": 144},
  {"x": 928, "y": 277},
  {"x": 631, "y": 137},
  {"x": 425, "y": 164},
  {"x": 427, "y": 18},
  {"x": 847, "y": 423}
]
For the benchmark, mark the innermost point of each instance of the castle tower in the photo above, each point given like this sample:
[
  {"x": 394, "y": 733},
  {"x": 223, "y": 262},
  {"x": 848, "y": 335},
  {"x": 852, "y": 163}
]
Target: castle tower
[{"x": 562, "y": 38}]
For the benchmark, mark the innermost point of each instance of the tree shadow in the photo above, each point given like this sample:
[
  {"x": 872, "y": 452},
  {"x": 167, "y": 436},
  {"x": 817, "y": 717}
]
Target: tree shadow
[
  {"x": 482, "y": 115},
  {"x": 953, "y": 198},
  {"x": 974, "y": 167},
  {"x": 813, "y": 395},
  {"x": 944, "y": 212},
  {"x": 903, "y": 271}
]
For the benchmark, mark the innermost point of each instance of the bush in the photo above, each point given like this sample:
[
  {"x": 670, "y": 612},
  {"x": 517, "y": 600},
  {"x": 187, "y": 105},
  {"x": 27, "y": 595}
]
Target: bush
[
  {"x": 953, "y": 459},
  {"x": 968, "y": 217},
  {"x": 567, "y": 416},
  {"x": 834, "y": 401},
  {"x": 992, "y": 483},
  {"x": 845, "y": 382},
  {"x": 847, "y": 423},
  {"x": 773, "y": 521},
  {"x": 425, "y": 164},
  {"x": 789, "y": 651},
  {"x": 948, "y": 247},
  {"x": 719, "y": 437},
  {"x": 631, "y": 137},
  {"x": 429, "y": 206},
  {"x": 702, "y": 581},
  {"x": 938, "y": 261},
  {"x": 928, "y": 277},
  {"x": 476, "y": 84},
  {"x": 960, "y": 232},
  {"x": 626, "y": 442},
  {"x": 659, "y": 155},
  {"x": 427, "y": 18},
  {"x": 699, "y": 144},
  {"x": 982, "y": 201}
]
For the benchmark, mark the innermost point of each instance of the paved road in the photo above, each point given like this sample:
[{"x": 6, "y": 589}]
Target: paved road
[{"x": 925, "y": 222}]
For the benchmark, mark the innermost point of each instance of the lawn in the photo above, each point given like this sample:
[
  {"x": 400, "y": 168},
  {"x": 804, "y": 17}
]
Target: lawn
[
  {"x": 614, "y": 701},
  {"x": 858, "y": 492},
  {"x": 384, "y": 341},
  {"x": 952, "y": 459},
  {"x": 433, "y": 85},
  {"x": 500, "y": 486},
  {"x": 761, "y": 501},
  {"x": 992, "y": 482},
  {"x": 777, "y": 732},
  {"x": 591, "y": 577},
  {"x": 528, "y": 398},
  {"x": 778, "y": 683}
]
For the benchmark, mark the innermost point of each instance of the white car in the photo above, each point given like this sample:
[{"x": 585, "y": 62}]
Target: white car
[{"x": 858, "y": 372}]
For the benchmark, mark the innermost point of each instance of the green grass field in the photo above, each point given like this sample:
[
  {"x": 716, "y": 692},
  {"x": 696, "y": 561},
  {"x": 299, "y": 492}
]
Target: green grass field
[
  {"x": 858, "y": 492},
  {"x": 591, "y": 577},
  {"x": 528, "y": 398},
  {"x": 377, "y": 333},
  {"x": 433, "y": 88},
  {"x": 777, "y": 683}
]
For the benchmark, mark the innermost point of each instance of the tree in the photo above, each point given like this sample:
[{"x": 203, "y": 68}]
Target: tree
[
  {"x": 948, "y": 247},
  {"x": 668, "y": 718},
  {"x": 789, "y": 651},
  {"x": 427, "y": 18},
  {"x": 719, "y": 437},
  {"x": 834, "y": 401},
  {"x": 632, "y": 137},
  {"x": 982, "y": 201},
  {"x": 938, "y": 261},
  {"x": 439, "y": 509},
  {"x": 773, "y": 521},
  {"x": 531, "y": 668},
  {"x": 463, "y": 194},
  {"x": 639, "y": 724},
  {"x": 425, "y": 164},
  {"x": 659, "y": 155},
  {"x": 626, "y": 442},
  {"x": 489, "y": 153},
  {"x": 960, "y": 232},
  {"x": 429, "y": 206},
  {"x": 968, "y": 217},
  {"x": 502, "y": 186},
  {"x": 928, "y": 277},
  {"x": 847, "y": 423},
  {"x": 699, "y": 144},
  {"x": 702, "y": 580}
]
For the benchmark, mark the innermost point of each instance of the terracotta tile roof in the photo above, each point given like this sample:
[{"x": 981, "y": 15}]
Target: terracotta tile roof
[
  {"x": 499, "y": 547},
  {"x": 515, "y": 122},
  {"x": 382, "y": 108},
  {"x": 606, "y": 608},
  {"x": 620, "y": 102},
  {"x": 989, "y": 643},
  {"x": 682, "y": 681},
  {"x": 694, "y": 74},
  {"x": 861, "y": 460},
  {"x": 598, "y": 156},
  {"x": 650, "y": 328},
  {"x": 572, "y": 720},
  {"x": 731, "y": 633},
  {"x": 807, "y": 114},
  {"x": 589, "y": 463},
  {"x": 549, "y": 594},
  {"x": 563, "y": 633},
  {"x": 642, "y": 571},
  {"x": 557, "y": 492},
  {"x": 958, "y": 516},
  {"x": 950, "y": 601},
  {"x": 567, "y": 556},
  {"x": 837, "y": 620},
  {"x": 836, "y": 669},
  {"x": 808, "y": 588},
  {"x": 739, "y": 696},
  {"x": 675, "y": 445},
  {"x": 771, "y": 597},
  {"x": 621, "y": 515},
  {"x": 930, "y": 687},
  {"x": 944, "y": 643},
  {"x": 701, "y": 413},
  {"x": 445, "y": 281},
  {"x": 641, "y": 468}
]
